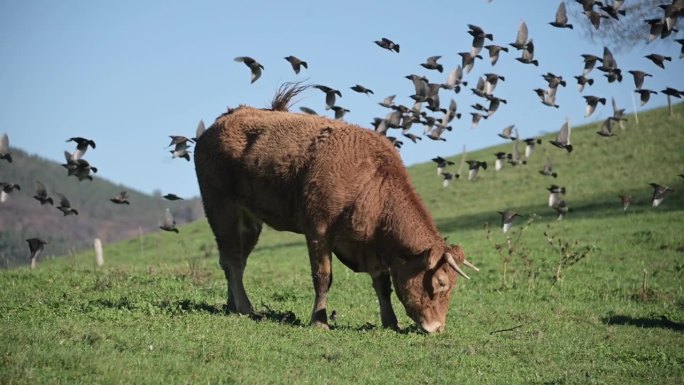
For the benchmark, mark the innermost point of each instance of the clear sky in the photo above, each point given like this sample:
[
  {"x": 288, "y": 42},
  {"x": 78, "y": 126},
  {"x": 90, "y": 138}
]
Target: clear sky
[{"x": 129, "y": 73}]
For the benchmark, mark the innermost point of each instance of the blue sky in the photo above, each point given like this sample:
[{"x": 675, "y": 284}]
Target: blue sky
[{"x": 129, "y": 73}]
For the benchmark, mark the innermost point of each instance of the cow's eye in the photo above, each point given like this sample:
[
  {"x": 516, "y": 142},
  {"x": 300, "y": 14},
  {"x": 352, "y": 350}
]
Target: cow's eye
[{"x": 442, "y": 284}]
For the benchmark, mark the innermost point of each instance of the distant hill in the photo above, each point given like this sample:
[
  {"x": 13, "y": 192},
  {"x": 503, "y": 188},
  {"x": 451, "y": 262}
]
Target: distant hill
[{"x": 22, "y": 217}]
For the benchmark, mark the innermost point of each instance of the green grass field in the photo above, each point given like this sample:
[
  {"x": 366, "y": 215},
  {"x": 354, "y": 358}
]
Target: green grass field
[{"x": 615, "y": 314}]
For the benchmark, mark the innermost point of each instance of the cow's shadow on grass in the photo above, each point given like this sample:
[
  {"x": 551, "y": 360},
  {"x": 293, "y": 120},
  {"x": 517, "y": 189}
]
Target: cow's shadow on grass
[
  {"x": 268, "y": 314},
  {"x": 661, "y": 322}
]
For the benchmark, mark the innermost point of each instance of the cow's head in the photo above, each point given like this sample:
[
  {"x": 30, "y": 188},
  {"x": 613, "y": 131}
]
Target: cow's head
[{"x": 424, "y": 285}]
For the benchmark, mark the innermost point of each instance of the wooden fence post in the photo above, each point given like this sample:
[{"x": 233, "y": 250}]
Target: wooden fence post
[{"x": 99, "y": 255}]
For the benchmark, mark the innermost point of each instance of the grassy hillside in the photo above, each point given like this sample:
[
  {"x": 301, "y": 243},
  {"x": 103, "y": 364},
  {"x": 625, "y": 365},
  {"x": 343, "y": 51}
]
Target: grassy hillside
[
  {"x": 23, "y": 217},
  {"x": 608, "y": 308}
]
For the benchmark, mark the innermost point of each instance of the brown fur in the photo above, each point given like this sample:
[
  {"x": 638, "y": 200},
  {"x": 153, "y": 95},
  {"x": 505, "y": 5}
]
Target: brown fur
[{"x": 345, "y": 188}]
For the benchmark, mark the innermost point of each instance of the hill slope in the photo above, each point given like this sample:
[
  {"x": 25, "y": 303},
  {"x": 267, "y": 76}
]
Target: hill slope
[
  {"x": 154, "y": 314},
  {"x": 23, "y": 217}
]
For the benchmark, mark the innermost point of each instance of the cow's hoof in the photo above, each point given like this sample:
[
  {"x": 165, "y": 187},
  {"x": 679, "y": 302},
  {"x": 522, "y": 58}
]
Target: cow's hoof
[{"x": 322, "y": 325}]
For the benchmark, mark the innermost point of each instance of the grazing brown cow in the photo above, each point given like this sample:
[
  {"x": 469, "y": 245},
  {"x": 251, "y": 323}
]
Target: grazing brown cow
[{"x": 345, "y": 188}]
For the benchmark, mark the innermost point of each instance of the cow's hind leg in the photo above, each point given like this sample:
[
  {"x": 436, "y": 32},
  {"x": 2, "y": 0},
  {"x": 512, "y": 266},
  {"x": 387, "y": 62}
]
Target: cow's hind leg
[
  {"x": 383, "y": 288},
  {"x": 236, "y": 235},
  {"x": 320, "y": 256}
]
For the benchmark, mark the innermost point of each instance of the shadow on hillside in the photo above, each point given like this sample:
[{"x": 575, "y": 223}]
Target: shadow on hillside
[
  {"x": 583, "y": 210},
  {"x": 662, "y": 322}
]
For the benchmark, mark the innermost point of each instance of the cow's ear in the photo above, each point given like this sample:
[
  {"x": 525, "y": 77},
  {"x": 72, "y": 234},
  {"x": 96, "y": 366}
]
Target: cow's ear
[{"x": 432, "y": 258}]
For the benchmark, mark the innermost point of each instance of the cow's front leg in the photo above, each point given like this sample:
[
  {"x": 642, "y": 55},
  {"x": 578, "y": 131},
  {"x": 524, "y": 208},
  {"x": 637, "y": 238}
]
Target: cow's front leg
[
  {"x": 383, "y": 289},
  {"x": 320, "y": 256}
]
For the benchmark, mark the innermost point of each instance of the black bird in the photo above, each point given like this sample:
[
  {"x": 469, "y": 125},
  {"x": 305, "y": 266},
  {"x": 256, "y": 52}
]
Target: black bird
[
  {"x": 672, "y": 92},
  {"x": 172, "y": 197},
  {"x": 507, "y": 133},
  {"x": 479, "y": 36},
  {"x": 41, "y": 194},
  {"x": 448, "y": 177},
  {"x": 681, "y": 42},
  {"x": 514, "y": 157},
  {"x": 606, "y": 128},
  {"x": 581, "y": 81},
  {"x": 168, "y": 223},
  {"x": 181, "y": 151},
  {"x": 199, "y": 130},
  {"x": 562, "y": 209},
  {"x": 659, "y": 192},
  {"x": 36, "y": 246},
  {"x": 6, "y": 189},
  {"x": 561, "y": 17},
  {"x": 610, "y": 66},
  {"x": 507, "y": 218},
  {"x": 626, "y": 200},
  {"x": 468, "y": 61},
  {"x": 474, "y": 167},
  {"x": 296, "y": 63},
  {"x": 81, "y": 146},
  {"x": 476, "y": 119},
  {"x": 65, "y": 206},
  {"x": 644, "y": 95},
  {"x": 494, "y": 51},
  {"x": 592, "y": 101},
  {"x": 658, "y": 60},
  {"x": 431, "y": 64},
  {"x": 639, "y": 77},
  {"x": 395, "y": 142},
  {"x": 588, "y": 5},
  {"x": 121, "y": 198},
  {"x": 527, "y": 56},
  {"x": 388, "y": 102},
  {"x": 491, "y": 80},
  {"x": 589, "y": 63},
  {"x": 329, "y": 95},
  {"x": 80, "y": 168},
  {"x": 521, "y": 39},
  {"x": 254, "y": 66},
  {"x": 555, "y": 193},
  {"x": 388, "y": 44},
  {"x": 179, "y": 139},
  {"x": 4, "y": 148},
  {"x": 339, "y": 112},
  {"x": 530, "y": 144},
  {"x": 595, "y": 18},
  {"x": 563, "y": 138},
  {"x": 613, "y": 10},
  {"x": 307, "y": 110},
  {"x": 499, "y": 161},
  {"x": 618, "y": 114},
  {"x": 494, "y": 103},
  {"x": 361, "y": 89},
  {"x": 548, "y": 169},
  {"x": 441, "y": 164},
  {"x": 455, "y": 80}
]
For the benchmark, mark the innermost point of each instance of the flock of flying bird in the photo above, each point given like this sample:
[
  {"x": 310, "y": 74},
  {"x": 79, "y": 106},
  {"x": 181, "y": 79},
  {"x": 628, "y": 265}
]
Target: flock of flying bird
[
  {"x": 426, "y": 93},
  {"x": 80, "y": 168}
]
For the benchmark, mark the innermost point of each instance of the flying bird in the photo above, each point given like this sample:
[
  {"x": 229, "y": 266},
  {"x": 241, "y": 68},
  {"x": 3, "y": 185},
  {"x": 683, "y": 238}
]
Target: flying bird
[
  {"x": 555, "y": 194},
  {"x": 639, "y": 77},
  {"x": 168, "y": 223},
  {"x": 610, "y": 66},
  {"x": 179, "y": 139},
  {"x": 4, "y": 148},
  {"x": 65, "y": 205},
  {"x": 659, "y": 192},
  {"x": 441, "y": 164},
  {"x": 561, "y": 17},
  {"x": 254, "y": 66},
  {"x": 592, "y": 102},
  {"x": 468, "y": 61},
  {"x": 455, "y": 80},
  {"x": 296, "y": 63},
  {"x": 658, "y": 60},
  {"x": 431, "y": 64},
  {"x": 361, "y": 89},
  {"x": 527, "y": 56},
  {"x": 521, "y": 39},
  {"x": 562, "y": 209},
  {"x": 589, "y": 63},
  {"x": 491, "y": 80},
  {"x": 172, "y": 197},
  {"x": 339, "y": 112},
  {"x": 121, "y": 198},
  {"x": 181, "y": 151},
  {"x": 499, "y": 161},
  {"x": 329, "y": 95},
  {"x": 606, "y": 129},
  {"x": 507, "y": 133},
  {"x": 199, "y": 130},
  {"x": 626, "y": 200},
  {"x": 80, "y": 168},
  {"x": 307, "y": 110},
  {"x": 644, "y": 95},
  {"x": 548, "y": 169},
  {"x": 6, "y": 189},
  {"x": 479, "y": 36},
  {"x": 388, "y": 102},
  {"x": 507, "y": 218},
  {"x": 530, "y": 145},
  {"x": 81, "y": 146},
  {"x": 41, "y": 194},
  {"x": 514, "y": 157},
  {"x": 563, "y": 138},
  {"x": 474, "y": 167},
  {"x": 448, "y": 177},
  {"x": 36, "y": 246},
  {"x": 476, "y": 119},
  {"x": 388, "y": 44},
  {"x": 494, "y": 52},
  {"x": 582, "y": 81}
]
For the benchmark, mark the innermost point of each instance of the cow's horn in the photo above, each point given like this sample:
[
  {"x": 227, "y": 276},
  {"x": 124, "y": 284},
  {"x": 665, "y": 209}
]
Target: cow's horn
[
  {"x": 470, "y": 265},
  {"x": 453, "y": 264}
]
